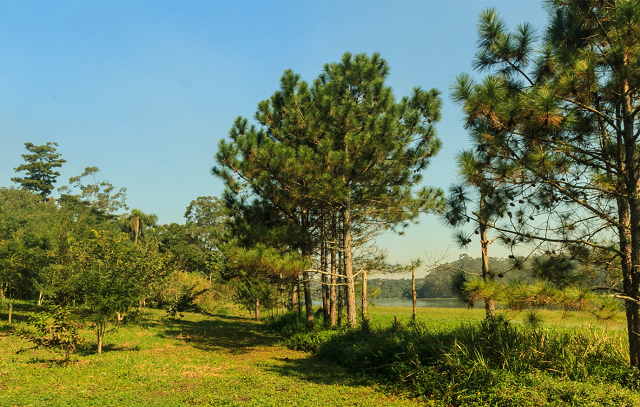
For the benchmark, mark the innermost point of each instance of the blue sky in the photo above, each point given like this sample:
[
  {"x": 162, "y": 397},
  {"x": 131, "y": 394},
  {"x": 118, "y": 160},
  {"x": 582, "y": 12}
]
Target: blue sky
[{"x": 145, "y": 90}]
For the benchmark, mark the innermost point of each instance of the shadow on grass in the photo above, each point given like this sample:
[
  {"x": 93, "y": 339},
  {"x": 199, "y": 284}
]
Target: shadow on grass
[
  {"x": 220, "y": 332},
  {"x": 315, "y": 370}
]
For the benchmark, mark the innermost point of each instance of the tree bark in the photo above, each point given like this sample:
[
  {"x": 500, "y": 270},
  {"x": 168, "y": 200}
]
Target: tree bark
[
  {"x": 489, "y": 303},
  {"x": 334, "y": 280},
  {"x": 324, "y": 267},
  {"x": 348, "y": 269},
  {"x": 414, "y": 295},
  {"x": 365, "y": 294}
]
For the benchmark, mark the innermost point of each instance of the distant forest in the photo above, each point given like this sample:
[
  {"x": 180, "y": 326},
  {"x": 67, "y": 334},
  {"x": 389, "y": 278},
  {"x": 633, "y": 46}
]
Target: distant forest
[{"x": 436, "y": 284}]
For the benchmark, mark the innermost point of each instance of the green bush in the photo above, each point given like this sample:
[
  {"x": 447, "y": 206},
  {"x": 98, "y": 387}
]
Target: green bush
[
  {"x": 53, "y": 331},
  {"x": 491, "y": 363}
]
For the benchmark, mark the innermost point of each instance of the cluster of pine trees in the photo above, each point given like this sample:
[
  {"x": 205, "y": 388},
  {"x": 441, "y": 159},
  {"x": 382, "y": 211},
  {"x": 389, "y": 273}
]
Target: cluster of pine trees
[{"x": 553, "y": 168}]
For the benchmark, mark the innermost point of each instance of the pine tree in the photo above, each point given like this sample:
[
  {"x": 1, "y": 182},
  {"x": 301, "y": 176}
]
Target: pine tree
[
  {"x": 40, "y": 166},
  {"x": 482, "y": 183},
  {"x": 566, "y": 113},
  {"x": 342, "y": 144},
  {"x": 376, "y": 149}
]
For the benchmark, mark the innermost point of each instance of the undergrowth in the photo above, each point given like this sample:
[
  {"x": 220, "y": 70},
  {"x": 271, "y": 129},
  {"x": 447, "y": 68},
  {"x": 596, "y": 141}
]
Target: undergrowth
[{"x": 490, "y": 363}]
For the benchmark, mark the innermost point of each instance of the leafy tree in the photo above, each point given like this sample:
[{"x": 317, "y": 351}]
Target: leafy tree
[
  {"x": 567, "y": 114},
  {"x": 113, "y": 275},
  {"x": 97, "y": 194},
  {"x": 481, "y": 182},
  {"x": 26, "y": 242},
  {"x": 256, "y": 269},
  {"x": 40, "y": 166},
  {"x": 137, "y": 222}
]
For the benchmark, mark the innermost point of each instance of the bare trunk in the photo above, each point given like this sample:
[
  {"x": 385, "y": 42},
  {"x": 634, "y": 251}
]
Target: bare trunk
[
  {"x": 100, "y": 328},
  {"x": 298, "y": 302},
  {"x": 348, "y": 269},
  {"x": 40, "y": 296},
  {"x": 632, "y": 282},
  {"x": 324, "y": 278},
  {"x": 340, "y": 299},
  {"x": 334, "y": 280},
  {"x": 308, "y": 306},
  {"x": 489, "y": 303},
  {"x": 365, "y": 294},
  {"x": 413, "y": 293},
  {"x": 10, "y": 311}
]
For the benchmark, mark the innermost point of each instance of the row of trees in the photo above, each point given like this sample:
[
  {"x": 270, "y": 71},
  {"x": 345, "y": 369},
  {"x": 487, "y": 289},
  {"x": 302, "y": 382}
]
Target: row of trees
[
  {"x": 78, "y": 250},
  {"x": 553, "y": 166}
]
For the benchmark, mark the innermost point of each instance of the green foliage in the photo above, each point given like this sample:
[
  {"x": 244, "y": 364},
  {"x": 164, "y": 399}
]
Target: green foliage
[
  {"x": 40, "y": 166},
  {"x": 26, "y": 241},
  {"x": 54, "y": 331},
  {"x": 491, "y": 363},
  {"x": 99, "y": 195},
  {"x": 113, "y": 275},
  {"x": 183, "y": 292}
]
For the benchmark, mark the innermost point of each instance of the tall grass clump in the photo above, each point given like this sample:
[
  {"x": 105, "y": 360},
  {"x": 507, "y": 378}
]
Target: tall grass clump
[{"x": 492, "y": 362}]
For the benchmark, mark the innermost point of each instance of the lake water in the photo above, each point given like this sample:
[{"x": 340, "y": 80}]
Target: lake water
[{"x": 421, "y": 303}]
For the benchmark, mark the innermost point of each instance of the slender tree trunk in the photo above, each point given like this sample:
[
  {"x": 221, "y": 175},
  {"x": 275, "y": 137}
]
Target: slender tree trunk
[
  {"x": 308, "y": 306},
  {"x": 633, "y": 193},
  {"x": 334, "y": 280},
  {"x": 324, "y": 267},
  {"x": 414, "y": 295},
  {"x": 100, "y": 328},
  {"x": 340, "y": 294},
  {"x": 489, "y": 303},
  {"x": 298, "y": 302},
  {"x": 348, "y": 268},
  {"x": 365, "y": 295},
  {"x": 10, "y": 311},
  {"x": 40, "y": 298}
]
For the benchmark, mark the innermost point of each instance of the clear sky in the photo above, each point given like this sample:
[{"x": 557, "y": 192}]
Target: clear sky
[{"x": 145, "y": 90}]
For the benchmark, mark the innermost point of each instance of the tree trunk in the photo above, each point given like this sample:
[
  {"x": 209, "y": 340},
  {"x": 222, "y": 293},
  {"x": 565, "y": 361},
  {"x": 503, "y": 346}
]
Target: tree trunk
[
  {"x": 298, "y": 302},
  {"x": 40, "y": 296},
  {"x": 10, "y": 311},
  {"x": 334, "y": 280},
  {"x": 632, "y": 172},
  {"x": 365, "y": 295},
  {"x": 489, "y": 303},
  {"x": 348, "y": 269},
  {"x": 324, "y": 278},
  {"x": 414, "y": 295},
  {"x": 100, "y": 328},
  {"x": 308, "y": 306}
]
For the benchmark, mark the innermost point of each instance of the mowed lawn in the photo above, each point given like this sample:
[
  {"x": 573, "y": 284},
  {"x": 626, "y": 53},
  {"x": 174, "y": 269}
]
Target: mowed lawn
[{"x": 197, "y": 360}]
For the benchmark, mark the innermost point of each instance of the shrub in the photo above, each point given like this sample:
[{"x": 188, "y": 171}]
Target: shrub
[{"x": 53, "y": 331}]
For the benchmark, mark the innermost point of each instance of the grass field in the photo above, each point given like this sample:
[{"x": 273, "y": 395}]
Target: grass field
[
  {"x": 216, "y": 360},
  {"x": 198, "y": 360}
]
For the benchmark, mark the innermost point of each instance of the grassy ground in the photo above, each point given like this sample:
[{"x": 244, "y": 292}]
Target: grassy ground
[{"x": 198, "y": 360}]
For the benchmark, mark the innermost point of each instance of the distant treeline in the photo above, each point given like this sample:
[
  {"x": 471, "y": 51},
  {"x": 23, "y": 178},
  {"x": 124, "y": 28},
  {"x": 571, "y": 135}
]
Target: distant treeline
[{"x": 437, "y": 283}]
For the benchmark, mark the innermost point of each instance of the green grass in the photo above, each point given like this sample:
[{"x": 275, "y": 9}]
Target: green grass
[
  {"x": 199, "y": 360},
  {"x": 450, "y": 357},
  {"x": 230, "y": 360}
]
